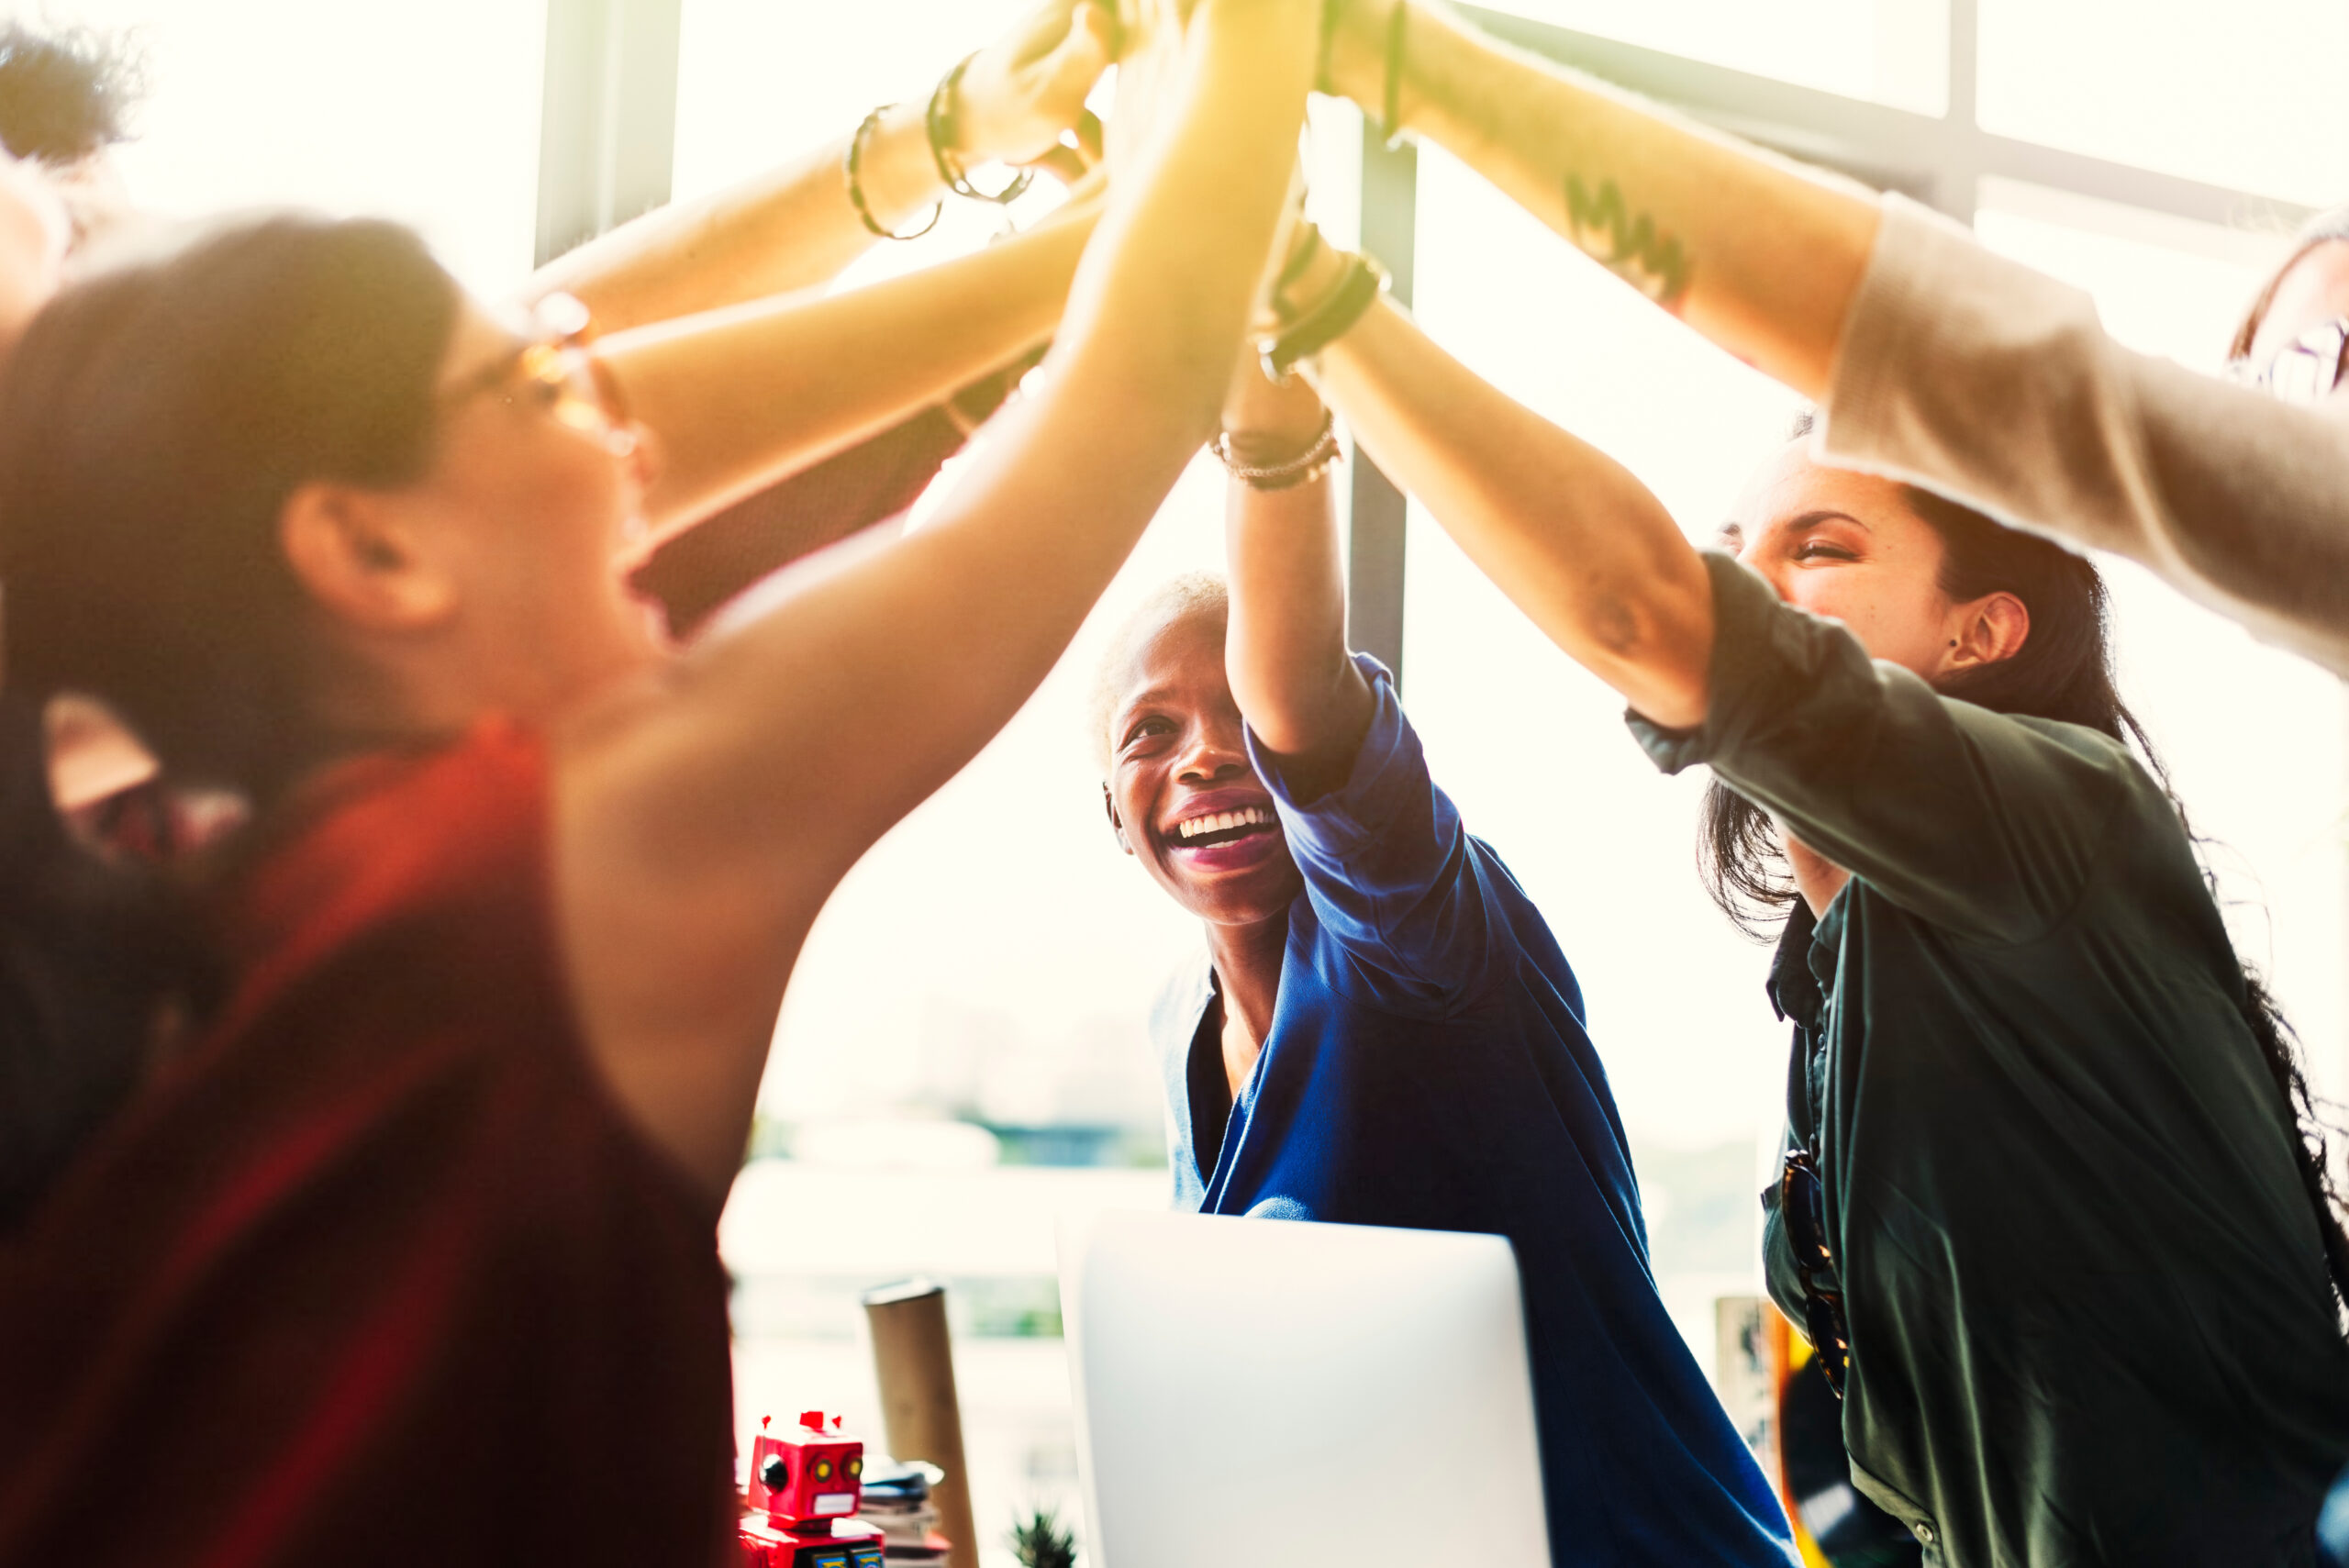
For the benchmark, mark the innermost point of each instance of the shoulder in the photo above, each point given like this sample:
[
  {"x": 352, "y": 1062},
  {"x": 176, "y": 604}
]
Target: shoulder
[
  {"x": 2085, "y": 759},
  {"x": 393, "y": 834}
]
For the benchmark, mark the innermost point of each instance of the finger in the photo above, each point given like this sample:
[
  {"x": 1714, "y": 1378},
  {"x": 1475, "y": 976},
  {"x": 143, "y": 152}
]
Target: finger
[
  {"x": 1084, "y": 53},
  {"x": 1040, "y": 32},
  {"x": 1112, "y": 23},
  {"x": 1090, "y": 136}
]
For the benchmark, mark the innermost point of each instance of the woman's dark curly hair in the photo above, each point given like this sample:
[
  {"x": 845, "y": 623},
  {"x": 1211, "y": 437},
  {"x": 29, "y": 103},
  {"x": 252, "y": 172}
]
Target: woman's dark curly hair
[{"x": 2063, "y": 671}]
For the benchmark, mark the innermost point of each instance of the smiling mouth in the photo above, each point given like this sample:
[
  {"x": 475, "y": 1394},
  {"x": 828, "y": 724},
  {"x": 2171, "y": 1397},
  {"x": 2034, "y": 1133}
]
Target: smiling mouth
[{"x": 1223, "y": 827}]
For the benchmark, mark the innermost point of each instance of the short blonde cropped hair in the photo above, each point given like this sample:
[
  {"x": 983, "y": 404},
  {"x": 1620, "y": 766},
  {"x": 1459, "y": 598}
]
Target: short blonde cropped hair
[{"x": 1177, "y": 598}]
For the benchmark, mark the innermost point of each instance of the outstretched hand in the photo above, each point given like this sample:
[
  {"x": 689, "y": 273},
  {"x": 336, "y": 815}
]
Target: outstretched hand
[{"x": 1022, "y": 91}]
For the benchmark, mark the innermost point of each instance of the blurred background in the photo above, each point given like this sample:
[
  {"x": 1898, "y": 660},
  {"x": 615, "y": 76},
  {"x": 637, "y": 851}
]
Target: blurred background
[{"x": 962, "y": 1056}]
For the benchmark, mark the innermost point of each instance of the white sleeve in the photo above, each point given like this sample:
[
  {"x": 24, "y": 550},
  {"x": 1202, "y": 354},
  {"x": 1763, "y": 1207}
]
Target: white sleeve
[{"x": 1997, "y": 386}]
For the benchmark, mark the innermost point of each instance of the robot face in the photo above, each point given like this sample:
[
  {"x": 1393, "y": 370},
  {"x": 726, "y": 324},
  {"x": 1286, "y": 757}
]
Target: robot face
[{"x": 803, "y": 1476}]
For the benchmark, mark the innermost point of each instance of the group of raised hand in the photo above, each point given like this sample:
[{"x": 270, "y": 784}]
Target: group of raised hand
[{"x": 494, "y": 978}]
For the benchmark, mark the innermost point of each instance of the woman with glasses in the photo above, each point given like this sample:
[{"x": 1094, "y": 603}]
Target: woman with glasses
[
  {"x": 75, "y": 1008},
  {"x": 1931, "y": 360},
  {"x": 2294, "y": 341},
  {"x": 406, "y": 1254},
  {"x": 2054, "y": 1208}
]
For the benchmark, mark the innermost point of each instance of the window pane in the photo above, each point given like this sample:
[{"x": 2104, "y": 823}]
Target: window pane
[
  {"x": 426, "y": 112},
  {"x": 759, "y": 83},
  {"x": 1889, "y": 52},
  {"x": 2245, "y": 95}
]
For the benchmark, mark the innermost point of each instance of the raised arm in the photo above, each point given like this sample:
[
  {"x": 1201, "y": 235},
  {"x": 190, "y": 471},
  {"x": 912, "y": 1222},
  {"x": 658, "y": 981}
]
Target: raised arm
[
  {"x": 739, "y": 398},
  {"x": 1578, "y": 543},
  {"x": 1760, "y": 255},
  {"x": 795, "y": 227},
  {"x": 1935, "y": 361},
  {"x": 700, "y": 825},
  {"x": 1286, "y": 647}
]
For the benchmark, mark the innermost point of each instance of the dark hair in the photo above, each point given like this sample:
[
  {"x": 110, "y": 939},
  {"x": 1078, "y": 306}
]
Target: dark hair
[
  {"x": 154, "y": 421},
  {"x": 94, "y": 962},
  {"x": 2063, "y": 671},
  {"x": 64, "y": 95}
]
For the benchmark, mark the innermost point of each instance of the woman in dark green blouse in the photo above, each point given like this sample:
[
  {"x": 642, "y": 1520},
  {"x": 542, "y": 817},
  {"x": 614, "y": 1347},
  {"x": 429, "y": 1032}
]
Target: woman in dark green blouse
[{"x": 2054, "y": 1186}]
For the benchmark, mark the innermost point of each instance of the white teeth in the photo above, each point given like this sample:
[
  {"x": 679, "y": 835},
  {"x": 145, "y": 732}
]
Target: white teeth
[{"x": 1223, "y": 821}]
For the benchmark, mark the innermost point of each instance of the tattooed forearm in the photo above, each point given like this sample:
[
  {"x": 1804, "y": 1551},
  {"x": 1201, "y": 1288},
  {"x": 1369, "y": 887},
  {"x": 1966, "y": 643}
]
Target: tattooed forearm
[{"x": 1633, "y": 249}]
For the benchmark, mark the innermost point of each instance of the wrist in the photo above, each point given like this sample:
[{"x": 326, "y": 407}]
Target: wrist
[
  {"x": 896, "y": 171},
  {"x": 1314, "y": 281},
  {"x": 1279, "y": 460},
  {"x": 946, "y": 127},
  {"x": 1272, "y": 442}
]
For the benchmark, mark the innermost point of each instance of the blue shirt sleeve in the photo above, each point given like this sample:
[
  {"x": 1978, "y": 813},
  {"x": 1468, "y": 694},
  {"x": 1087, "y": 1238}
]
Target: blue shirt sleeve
[{"x": 1409, "y": 905}]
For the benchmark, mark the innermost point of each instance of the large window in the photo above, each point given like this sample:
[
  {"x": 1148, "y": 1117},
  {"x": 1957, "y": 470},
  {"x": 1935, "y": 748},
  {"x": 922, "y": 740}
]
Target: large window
[
  {"x": 425, "y": 111},
  {"x": 2245, "y": 95},
  {"x": 1889, "y": 52},
  {"x": 962, "y": 1054}
]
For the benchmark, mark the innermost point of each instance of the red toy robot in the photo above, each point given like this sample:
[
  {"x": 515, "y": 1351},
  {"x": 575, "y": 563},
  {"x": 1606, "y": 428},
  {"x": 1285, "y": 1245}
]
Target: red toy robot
[{"x": 802, "y": 1500}]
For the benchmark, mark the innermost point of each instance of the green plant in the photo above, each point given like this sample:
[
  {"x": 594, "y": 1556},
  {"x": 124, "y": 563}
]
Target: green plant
[{"x": 1038, "y": 1541}]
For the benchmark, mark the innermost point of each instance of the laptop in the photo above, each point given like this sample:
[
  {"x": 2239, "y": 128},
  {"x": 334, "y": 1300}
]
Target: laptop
[{"x": 1273, "y": 1392}]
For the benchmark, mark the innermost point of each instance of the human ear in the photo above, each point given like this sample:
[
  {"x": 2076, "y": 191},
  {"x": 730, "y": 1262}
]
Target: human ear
[
  {"x": 355, "y": 557},
  {"x": 1117, "y": 823},
  {"x": 1992, "y": 629}
]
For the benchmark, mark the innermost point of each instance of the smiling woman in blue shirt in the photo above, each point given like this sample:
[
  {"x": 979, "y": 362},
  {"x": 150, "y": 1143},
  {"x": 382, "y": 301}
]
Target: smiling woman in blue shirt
[{"x": 1381, "y": 1031}]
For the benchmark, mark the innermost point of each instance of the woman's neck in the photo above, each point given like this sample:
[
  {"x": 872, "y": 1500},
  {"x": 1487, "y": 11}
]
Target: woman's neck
[
  {"x": 1817, "y": 878},
  {"x": 1248, "y": 978}
]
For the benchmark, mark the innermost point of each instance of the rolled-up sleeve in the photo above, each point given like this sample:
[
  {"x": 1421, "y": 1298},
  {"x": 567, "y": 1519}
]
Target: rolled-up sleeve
[
  {"x": 1996, "y": 385},
  {"x": 1396, "y": 883},
  {"x": 1987, "y": 825}
]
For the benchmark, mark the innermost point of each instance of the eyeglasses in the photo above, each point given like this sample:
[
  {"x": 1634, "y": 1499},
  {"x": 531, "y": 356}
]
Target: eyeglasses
[
  {"x": 2304, "y": 370},
  {"x": 556, "y": 370},
  {"x": 1802, "y": 1208}
]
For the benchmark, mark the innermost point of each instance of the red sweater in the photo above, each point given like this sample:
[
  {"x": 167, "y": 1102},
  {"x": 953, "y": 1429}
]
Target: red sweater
[{"x": 378, "y": 1272}]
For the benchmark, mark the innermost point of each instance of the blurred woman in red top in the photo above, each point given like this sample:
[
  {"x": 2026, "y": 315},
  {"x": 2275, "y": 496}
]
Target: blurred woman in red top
[{"x": 409, "y": 1256}]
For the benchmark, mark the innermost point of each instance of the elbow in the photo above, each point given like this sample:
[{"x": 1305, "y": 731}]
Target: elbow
[
  {"x": 1655, "y": 657},
  {"x": 1617, "y": 629}
]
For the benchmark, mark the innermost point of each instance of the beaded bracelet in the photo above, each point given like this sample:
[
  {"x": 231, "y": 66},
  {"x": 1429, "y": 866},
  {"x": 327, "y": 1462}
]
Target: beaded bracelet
[
  {"x": 937, "y": 123},
  {"x": 1328, "y": 321},
  {"x": 856, "y": 182},
  {"x": 1307, "y": 466}
]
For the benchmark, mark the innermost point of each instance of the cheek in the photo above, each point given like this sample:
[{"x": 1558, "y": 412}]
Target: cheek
[
  {"x": 548, "y": 481},
  {"x": 1836, "y": 594},
  {"x": 1891, "y": 622}
]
